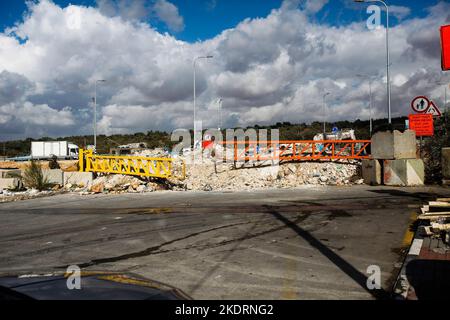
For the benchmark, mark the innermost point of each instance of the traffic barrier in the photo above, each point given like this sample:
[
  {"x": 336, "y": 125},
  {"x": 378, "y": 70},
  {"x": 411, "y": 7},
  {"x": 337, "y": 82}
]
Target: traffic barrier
[
  {"x": 302, "y": 150},
  {"x": 129, "y": 165}
]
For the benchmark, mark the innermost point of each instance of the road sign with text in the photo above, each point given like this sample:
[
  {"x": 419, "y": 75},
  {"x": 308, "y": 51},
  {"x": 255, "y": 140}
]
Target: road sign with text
[{"x": 422, "y": 124}]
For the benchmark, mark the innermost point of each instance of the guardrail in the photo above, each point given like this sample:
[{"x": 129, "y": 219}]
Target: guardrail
[
  {"x": 301, "y": 150},
  {"x": 129, "y": 165}
]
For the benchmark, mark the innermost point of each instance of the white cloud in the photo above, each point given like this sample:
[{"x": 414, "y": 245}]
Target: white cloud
[
  {"x": 168, "y": 13},
  {"x": 266, "y": 70}
]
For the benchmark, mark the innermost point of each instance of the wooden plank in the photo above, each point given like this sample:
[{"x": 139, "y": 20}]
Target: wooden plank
[
  {"x": 435, "y": 215},
  {"x": 438, "y": 204},
  {"x": 443, "y": 199},
  {"x": 425, "y": 209}
]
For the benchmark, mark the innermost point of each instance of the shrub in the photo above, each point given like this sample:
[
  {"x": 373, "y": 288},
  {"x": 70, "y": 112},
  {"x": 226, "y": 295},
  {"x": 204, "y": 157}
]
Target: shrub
[{"x": 33, "y": 177}]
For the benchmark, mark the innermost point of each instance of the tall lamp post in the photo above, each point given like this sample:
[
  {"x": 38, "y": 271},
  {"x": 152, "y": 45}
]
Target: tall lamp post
[
  {"x": 195, "y": 88},
  {"x": 219, "y": 105},
  {"x": 388, "y": 76},
  {"x": 370, "y": 99},
  {"x": 95, "y": 113},
  {"x": 324, "y": 114}
]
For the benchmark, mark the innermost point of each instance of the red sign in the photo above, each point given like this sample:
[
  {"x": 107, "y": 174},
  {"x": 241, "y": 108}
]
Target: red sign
[
  {"x": 445, "y": 43},
  {"x": 422, "y": 124}
]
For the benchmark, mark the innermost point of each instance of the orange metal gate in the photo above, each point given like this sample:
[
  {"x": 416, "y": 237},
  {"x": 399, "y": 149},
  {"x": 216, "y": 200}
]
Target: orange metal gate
[{"x": 298, "y": 150}]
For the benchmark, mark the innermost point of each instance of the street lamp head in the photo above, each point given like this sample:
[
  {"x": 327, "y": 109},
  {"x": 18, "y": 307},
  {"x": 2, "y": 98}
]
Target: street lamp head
[
  {"x": 209, "y": 57},
  {"x": 359, "y": 0}
]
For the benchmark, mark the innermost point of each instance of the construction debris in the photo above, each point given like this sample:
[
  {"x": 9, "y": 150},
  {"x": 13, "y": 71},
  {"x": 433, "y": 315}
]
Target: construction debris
[
  {"x": 208, "y": 177},
  {"x": 435, "y": 220}
]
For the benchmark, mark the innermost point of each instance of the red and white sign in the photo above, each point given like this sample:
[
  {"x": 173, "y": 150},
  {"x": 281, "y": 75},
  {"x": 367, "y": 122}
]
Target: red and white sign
[
  {"x": 445, "y": 44},
  {"x": 434, "y": 110},
  {"x": 420, "y": 104},
  {"x": 422, "y": 124}
]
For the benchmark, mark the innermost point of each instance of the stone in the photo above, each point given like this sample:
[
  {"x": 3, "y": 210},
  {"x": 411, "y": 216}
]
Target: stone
[
  {"x": 141, "y": 188},
  {"x": 404, "y": 172},
  {"x": 76, "y": 178},
  {"x": 10, "y": 183},
  {"x": 54, "y": 176},
  {"x": 98, "y": 188},
  {"x": 395, "y": 145}
]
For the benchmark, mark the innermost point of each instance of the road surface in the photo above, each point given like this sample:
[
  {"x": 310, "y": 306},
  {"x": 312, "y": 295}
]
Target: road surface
[{"x": 305, "y": 243}]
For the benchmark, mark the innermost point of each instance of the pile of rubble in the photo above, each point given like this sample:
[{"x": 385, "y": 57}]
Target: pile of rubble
[
  {"x": 121, "y": 184},
  {"x": 11, "y": 196},
  {"x": 204, "y": 177},
  {"x": 435, "y": 220}
]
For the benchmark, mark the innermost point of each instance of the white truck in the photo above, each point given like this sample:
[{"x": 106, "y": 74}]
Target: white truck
[{"x": 42, "y": 150}]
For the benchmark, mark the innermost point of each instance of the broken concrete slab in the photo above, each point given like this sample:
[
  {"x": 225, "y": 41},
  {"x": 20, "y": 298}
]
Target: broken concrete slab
[
  {"x": 78, "y": 178},
  {"x": 394, "y": 145},
  {"x": 371, "y": 172},
  {"x": 54, "y": 176},
  {"x": 10, "y": 183},
  {"x": 404, "y": 172}
]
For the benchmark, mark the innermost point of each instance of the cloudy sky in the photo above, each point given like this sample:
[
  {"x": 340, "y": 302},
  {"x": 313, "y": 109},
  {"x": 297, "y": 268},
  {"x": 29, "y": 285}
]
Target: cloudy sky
[{"x": 273, "y": 61}]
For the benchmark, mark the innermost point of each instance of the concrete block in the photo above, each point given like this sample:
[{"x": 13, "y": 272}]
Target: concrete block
[
  {"x": 54, "y": 176},
  {"x": 445, "y": 162},
  {"x": 8, "y": 173},
  {"x": 78, "y": 178},
  {"x": 371, "y": 172},
  {"x": 404, "y": 172},
  {"x": 10, "y": 183},
  {"x": 394, "y": 145}
]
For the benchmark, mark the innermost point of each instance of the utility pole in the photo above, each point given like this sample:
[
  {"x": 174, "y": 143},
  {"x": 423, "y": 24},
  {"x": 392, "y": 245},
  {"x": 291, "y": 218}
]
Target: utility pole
[
  {"x": 95, "y": 113},
  {"x": 324, "y": 114},
  {"x": 388, "y": 58},
  {"x": 195, "y": 92}
]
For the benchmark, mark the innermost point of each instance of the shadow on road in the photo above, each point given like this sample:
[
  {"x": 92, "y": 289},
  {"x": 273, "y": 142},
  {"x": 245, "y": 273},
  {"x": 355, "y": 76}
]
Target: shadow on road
[{"x": 347, "y": 268}]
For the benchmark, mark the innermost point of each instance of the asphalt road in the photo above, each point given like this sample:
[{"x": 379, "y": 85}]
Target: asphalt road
[{"x": 306, "y": 243}]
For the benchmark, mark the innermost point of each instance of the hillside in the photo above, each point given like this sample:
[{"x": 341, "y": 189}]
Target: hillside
[{"x": 288, "y": 131}]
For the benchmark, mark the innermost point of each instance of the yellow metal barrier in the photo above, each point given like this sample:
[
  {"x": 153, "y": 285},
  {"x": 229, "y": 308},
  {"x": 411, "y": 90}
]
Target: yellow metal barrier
[{"x": 129, "y": 165}]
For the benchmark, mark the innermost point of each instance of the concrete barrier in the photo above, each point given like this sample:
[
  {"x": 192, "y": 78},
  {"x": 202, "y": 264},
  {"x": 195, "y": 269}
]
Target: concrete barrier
[
  {"x": 10, "y": 183},
  {"x": 371, "y": 172},
  {"x": 8, "y": 173},
  {"x": 78, "y": 178},
  {"x": 54, "y": 176},
  {"x": 394, "y": 145},
  {"x": 404, "y": 172}
]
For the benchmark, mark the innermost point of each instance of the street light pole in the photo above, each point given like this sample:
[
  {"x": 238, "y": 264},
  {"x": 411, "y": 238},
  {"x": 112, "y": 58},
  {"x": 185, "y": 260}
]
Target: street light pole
[
  {"x": 388, "y": 58},
  {"x": 370, "y": 100},
  {"x": 195, "y": 88},
  {"x": 95, "y": 113},
  {"x": 324, "y": 114},
  {"x": 220, "y": 101}
]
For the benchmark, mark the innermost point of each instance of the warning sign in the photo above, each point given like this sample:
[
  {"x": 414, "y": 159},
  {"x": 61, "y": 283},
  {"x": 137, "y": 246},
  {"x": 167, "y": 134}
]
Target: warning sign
[
  {"x": 422, "y": 124},
  {"x": 434, "y": 110}
]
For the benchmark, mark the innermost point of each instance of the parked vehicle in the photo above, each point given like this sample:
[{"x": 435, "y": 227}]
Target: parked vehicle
[{"x": 44, "y": 150}]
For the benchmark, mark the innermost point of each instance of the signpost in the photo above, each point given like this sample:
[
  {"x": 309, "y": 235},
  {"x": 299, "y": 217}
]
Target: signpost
[{"x": 422, "y": 124}]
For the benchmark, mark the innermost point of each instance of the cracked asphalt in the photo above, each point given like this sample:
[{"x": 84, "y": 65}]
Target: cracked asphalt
[{"x": 305, "y": 243}]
